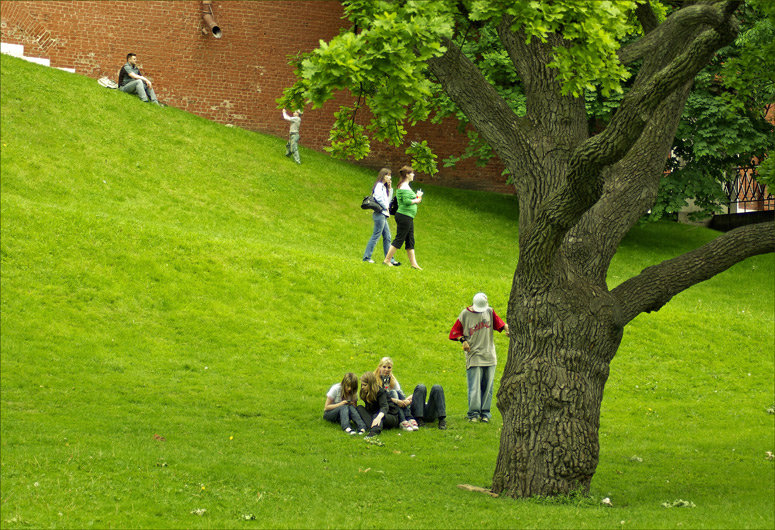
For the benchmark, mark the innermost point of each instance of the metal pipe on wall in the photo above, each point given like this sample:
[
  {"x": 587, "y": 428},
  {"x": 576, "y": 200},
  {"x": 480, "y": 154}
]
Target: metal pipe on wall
[{"x": 209, "y": 20}]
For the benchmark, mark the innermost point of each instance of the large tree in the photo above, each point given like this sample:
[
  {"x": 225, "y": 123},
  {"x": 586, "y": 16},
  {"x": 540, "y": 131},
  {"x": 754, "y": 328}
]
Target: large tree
[{"x": 580, "y": 188}]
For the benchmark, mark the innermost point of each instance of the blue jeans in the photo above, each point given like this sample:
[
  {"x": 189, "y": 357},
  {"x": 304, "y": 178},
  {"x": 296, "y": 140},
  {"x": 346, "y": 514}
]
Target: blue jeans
[
  {"x": 404, "y": 413},
  {"x": 344, "y": 415},
  {"x": 381, "y": 228},
  {"x": 480, "y": 383},
  {"x": 137, "y": 87}
]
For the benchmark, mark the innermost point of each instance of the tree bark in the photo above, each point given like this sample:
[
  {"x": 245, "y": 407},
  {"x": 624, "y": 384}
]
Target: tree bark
[
  {"x": 563, "y": 339},
  {"x": 567, "y": 325}
]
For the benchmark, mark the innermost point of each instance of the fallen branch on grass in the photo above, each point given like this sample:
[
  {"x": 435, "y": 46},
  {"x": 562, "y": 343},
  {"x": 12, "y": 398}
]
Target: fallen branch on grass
[{"x": 477, "y": 489}]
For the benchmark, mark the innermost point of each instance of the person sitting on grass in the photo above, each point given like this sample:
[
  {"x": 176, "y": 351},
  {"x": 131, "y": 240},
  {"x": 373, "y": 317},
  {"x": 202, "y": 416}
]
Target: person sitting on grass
[
  {"x": 421, "y": 411},
  {"x": 131, "y": 81},
  {"x": 376, "y": 411},
  {"x": 341, "y": 400},
  {"x": 384, "y": 373}
]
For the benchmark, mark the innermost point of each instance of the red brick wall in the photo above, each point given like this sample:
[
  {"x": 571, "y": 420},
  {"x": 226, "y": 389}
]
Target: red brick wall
[{"x": 235, "y": 79}]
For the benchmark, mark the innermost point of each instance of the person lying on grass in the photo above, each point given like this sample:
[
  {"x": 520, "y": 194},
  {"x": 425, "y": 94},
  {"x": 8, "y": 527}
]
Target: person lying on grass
[
  {"x": 377, "y": 411},
  {"x": 341, "y": 400},
  {"x": 384, "y": 373}
]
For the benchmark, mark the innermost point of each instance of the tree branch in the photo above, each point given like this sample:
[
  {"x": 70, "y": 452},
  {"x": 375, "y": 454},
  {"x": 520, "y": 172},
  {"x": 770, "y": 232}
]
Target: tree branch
[
  {"x": 645, "y": 14},
  {"x": 656, "y": 285},
  {"x": 584, "y": 186},
  {"x": 673, "y": 27},
  {"x": 487, "y": 111},
  {"x": 630, "y": 189}
]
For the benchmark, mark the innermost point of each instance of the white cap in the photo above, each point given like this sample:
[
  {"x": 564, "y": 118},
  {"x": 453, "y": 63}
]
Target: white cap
[{"x": 480, "y": 303}]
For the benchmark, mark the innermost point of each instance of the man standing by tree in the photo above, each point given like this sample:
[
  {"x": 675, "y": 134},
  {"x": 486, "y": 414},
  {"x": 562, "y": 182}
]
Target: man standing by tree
[
  {"x": 474, "y": 329},
  {"x": 292, "y": 147},
  {"x": 131, "y": 81}
]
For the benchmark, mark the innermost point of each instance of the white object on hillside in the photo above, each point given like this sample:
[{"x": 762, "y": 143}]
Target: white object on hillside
[
  {"x": 107, "y": 82},
  {"x": 38, "y": 60},
  {"x": 17, "y": 50},
  {"x": 14, "y": 50}
]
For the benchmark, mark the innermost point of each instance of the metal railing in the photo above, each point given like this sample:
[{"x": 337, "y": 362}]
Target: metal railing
[{"x": 746, "y": 194}]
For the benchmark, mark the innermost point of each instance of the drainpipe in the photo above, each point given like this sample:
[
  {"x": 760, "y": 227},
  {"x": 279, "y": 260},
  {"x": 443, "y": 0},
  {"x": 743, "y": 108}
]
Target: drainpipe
[{"x": 209, "y": 20}]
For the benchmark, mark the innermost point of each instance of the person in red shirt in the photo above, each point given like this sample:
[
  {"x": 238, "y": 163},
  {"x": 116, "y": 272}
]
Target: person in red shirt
[{"x": 474, "y": 329}]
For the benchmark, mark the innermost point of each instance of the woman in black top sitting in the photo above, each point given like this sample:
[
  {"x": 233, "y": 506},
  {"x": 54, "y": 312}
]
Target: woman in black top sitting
[{"x": 377, "y": 412}]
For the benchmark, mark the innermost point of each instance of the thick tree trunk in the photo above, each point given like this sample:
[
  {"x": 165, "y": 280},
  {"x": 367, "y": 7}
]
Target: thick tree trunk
[
  {"x": 579, "y": 196},
  {"x": 563, "y": 339}
]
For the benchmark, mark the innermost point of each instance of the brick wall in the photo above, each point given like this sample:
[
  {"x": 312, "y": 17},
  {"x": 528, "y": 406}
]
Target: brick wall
[{"x": 235, "y": 79}]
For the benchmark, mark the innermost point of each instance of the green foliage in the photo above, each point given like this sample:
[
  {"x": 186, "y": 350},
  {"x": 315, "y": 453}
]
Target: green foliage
[
  {"x": 347, "y": 138},
  {"x": 723, "y": 124},
  {"x": 592, "y": 29},
  {"x": 153, "y": 288},
  {"x": 381, "y": 61},
  {"x": 766, "y": 173},
  {"x": 423, "y": 159},
  {"x": 747, "y": 69}
]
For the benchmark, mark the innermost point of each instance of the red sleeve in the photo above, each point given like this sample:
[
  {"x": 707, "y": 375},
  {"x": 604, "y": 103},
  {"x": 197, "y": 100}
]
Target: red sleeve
[
  {"x": 497, "y": 322},
  {"x": 457, "y": 330}
]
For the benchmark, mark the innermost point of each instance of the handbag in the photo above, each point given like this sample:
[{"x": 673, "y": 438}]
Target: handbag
[
  {"x": 370, "y": 204},
  {"x": 393, "y": 207}
]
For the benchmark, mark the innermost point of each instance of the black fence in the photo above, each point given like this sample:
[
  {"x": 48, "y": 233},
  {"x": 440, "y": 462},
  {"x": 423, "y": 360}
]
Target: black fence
[{"x": 748, "y": 194}]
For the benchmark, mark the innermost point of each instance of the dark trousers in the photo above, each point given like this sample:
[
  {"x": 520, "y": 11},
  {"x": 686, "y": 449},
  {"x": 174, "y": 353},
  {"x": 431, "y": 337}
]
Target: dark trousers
[
  {"x": 389, "y": 421},
  {"x": 435, "y": 407},
  {"x": 404, "y": 231}
]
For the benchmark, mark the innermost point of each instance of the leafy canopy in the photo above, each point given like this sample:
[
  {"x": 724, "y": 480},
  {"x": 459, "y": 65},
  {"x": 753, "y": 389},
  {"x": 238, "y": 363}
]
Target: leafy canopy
[
  {"x": 381, "y": 61},
  {"x": 724, "y": 123},
  {"x": 594, "y": 30}
]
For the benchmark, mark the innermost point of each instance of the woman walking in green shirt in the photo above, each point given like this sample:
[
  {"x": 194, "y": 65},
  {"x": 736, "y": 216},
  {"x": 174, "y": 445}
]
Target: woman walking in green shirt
[{"x": 407, "y": 209}]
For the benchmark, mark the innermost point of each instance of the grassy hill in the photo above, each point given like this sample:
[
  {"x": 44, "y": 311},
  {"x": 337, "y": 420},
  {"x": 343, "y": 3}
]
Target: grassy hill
[{"x": 177, "y": 297}]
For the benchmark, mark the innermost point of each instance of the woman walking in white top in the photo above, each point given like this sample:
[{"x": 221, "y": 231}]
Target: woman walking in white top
[{"x": 383, "y": 193}]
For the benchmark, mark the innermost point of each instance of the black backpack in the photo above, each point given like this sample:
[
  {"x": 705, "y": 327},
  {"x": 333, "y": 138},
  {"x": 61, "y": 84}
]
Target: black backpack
[{"x": 393, "y": 207}]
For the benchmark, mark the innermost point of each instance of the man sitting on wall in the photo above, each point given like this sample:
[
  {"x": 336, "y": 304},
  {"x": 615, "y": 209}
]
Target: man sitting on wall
[{"x": 131, "y": 81}]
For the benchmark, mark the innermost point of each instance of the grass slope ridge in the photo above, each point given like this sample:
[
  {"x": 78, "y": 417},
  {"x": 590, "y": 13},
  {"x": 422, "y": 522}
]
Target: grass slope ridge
[{"x": 177, "y": 297}]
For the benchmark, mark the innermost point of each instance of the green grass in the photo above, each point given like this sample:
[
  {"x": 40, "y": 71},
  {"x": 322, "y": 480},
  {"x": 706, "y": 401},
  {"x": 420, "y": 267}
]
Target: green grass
[{"x": 165, "y": 275}]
